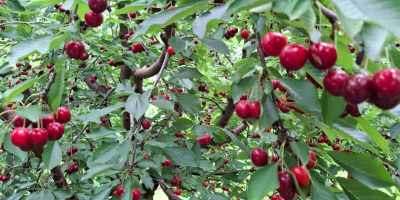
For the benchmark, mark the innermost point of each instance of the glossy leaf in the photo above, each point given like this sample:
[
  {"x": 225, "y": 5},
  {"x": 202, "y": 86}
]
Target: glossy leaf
[
  {"x": 259, "y": 186},
  {"x": 52, "y": 155}
]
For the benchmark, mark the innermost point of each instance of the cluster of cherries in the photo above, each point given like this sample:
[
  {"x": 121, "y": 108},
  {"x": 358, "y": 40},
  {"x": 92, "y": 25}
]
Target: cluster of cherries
[
  {"x": 230, "y": 33},
  {"x": 49, "y": 128},
  {"x": 137, "y": 48},
  {"x": 72, "y": 168},
  {"x": 176, "y": 181},
  {"x": 94, "y": 18},
  {"x": 72, "y": 150},
  {"x": 112, "y": 63},
  {"x": 204, "y": 140},
  {"x": 76, "y": 50},
  {"x": 166, "y": 163},
  {"x": 136, "y": 193},
  {"x": 246, "y": 109}
]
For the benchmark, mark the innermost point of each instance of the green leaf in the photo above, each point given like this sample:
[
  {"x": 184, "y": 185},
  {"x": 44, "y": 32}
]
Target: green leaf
[
  {"x": 303, "y": 92},
  {"x": 183, "y": 123},
  {"x": 292, "y": 8},
  {"x": 82, "y": 9},
  {"x": 216, "y": 45},
  {"x": 46, "y": 195},
  {"x": 242, "y": 67},
  {"x": 61, "y": 193},
  {"x": 94, "y": 115},
  {"x": 259, "y": 185},
  {"x": 42, "y": 2},
  {"x": 55, "y": 93},
  {"x": 103, "y": 194},
  {"x": 22, "y": 49},
  {"x": 345, "y": 59},
  {"x": 162, "y": 103},
  {"x": 351, "y": 26},
  {"x": 177, "y": 43},
  {"x": 239, "y": 5},
  {"x": 52, "y": 155},
  {"x": 375, "y": 136},
  {"x": 358, "y": 191},
  {"x": 395, "y": 56},
  {"x": 188, "y": 73},
  {"x": 332, "y": 107},
  {"x": 9, "y": 147},
  {"x": 375, "y": 39},
  {"x": 188, "y": 102},
  {"x": 105, "y": 152},
  {"x": 395, "y": 131},
  {"x": 204, "y": 23},
  {"x": 10, "y": 94},
  {"x": 237, "y": 142},
  {"x": 137, "y": 104},
  {"x": 270, "y": 113},
  {"x": 319, "y": 191},
  {"x": 148, "y": 163},
  {"x": 308, "y": 19},
  {"x": 101, "y": 132},
  {"x": 128, "y": 8},
  {"x": 301, "y": 150},
  {"x": 364, "y": 168},
  {"x": 147, "y": 180},
  {"x": 167, "y": 17},
  {"x": 242, "y": 87},
  {"x": 181, "y": 156},
  {"x": 31, "y": 112},
  {"x": 96, "y": 170}
]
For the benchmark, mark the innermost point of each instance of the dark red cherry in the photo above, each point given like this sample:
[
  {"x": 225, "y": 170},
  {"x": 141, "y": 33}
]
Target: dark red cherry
[
  {"x": 243, "y": 109},
  {"x": 259, "y": 157},
  {"x": 313, "y": 159},
  {"x": 19, "y": 136},
  {"x": 334, "y": 82},
  {"x": 74, "y": 49},
  {"x": 273, "y": 42},
  {"x": 97, "y": 6},
  {"x": 293, "y": 57},
  {"x": 286, "y": 181},
  {"x": 38, "y": 136},
  {"x": 93, "y": 19},
  {"x": 352, "y": 109},
  {"x": 322, "y": 55},
  {"x": 55, "y": 130},
  {"x": 384, "y": 103},
  {"x": 357, "y": 88},
  {"x": 19, "y": 121},
  {"x": 387, "y": 83},
  {"x": 255, "y": 109}
]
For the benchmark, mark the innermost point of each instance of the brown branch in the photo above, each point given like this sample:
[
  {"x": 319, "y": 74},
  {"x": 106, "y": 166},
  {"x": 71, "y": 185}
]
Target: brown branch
[
  {"x": 240, "y": 128},
  {"x": 167, "y": 191},
  {"x": 332, "y": 17},
  {"x": 96, "y": 86},
  {"x": 227, "y": 114},
  {"x": 46, "y": 89}
]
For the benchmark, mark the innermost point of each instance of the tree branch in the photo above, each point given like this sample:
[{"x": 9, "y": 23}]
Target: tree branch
[
  {"x": 332, "y": 17},
  {"x": 227, "y": 114},
  {"x": 167, "y": 191}
]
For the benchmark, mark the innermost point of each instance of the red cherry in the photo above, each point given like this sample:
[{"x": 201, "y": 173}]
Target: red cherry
[
  {"x": 287, "y": 195},
  {"x": 178, "y": 192},
  {"x": 136, "y": 194},
  {"x": 243, "y": 109},
  {"x": 286, "y": 181},
  {"x": 205, "y": 140},
  {"x": 120, "y": 189},
  {"x": 245, "y": 34},
  {"x": 27, "y": 147},
  {"x": 47, "y": 120},
  {"x": 167, "y": 162},
  {"x": 146, "y": 124},
  {"x": 224, "y": 188},
  {"x": 97, "y": 6},
  {"x": 133, "y": 15},
  {"x": 336, "y": 147},
  {"x": 180, "y": 90},
  {"x": 74, "y": 49},
  {"x": 146, "y": 156},
  {"x": 170, "y": 51},
  {"x": 322, "y": 55},
  {"x": 74, "y": 87},
  {"x": 387, "y": 83},
  {"x": 19, "y": 137},
  {"x": 93, "y": 19},
  {"x": 243, "y": 97},
  {"x": 166, "y": 96},
  {"x": 357, "y": 88},
  {"x": 19, "y": 121},
  {"x": 273, "y": 42},
  {"x": 334, "y": 82},
  {"x": 205, "y": 185},
  {"x": 103, "y": 120},
  {"x": 38, "y": 137},
  {"x": 259, "y": 157},
  {"x": 384, "y": 103},
  {"x": 352, "y": 110},
  {"x": 312, "y": 162},
  {"x": 64, "y": 115},
  {"x": 49, "y": 66},
  {"x": 255, "y": 109},
  {"x": 55, "y": 131},
  {"x": 195, "y": 41},
  {"x": 293, "y": 57},
  {"x": 302, "y": 175},
  {"x": 75, "y": 149},
  {"x": 256, "y": 135}
]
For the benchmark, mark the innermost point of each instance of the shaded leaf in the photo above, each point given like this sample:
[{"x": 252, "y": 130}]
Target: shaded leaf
[
  {"x": 259, "y": 185},
  {"x": 52, "y": 155},
  {"x": 181, "y": 156}
]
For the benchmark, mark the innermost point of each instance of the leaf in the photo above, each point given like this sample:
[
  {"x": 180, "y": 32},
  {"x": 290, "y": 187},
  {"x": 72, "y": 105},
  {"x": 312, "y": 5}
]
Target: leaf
[
  {"x": 24, "y": 48},
  {"x": 395, "y": 56},
  {"x": 308, "y": 19},
  {"x": 303, "y": 92},
  {"x": 52, "y": 155},
  {"x": 148, "y": 163},
  {"x": 345, "y": 59},
  {"x": 46, "y": 195},
  {"x": 95, "y": 170},
  {"x": 188, "y": 102},
  {"x": 358, "y": 191},
  {"x": 31, "y": 112},
  {"x": 301, "y": 150},
  {"x": 103, "y": 194},
  {"x": 239, "y": 5},
  {"x": 162, "y": 103},
  {"x": 137, "y": 104},
  {"x": 292, "y": 8},
  {"x": 203, "y": 23},
  {"x": 375, "y": 136},
  {"x": 270, "y": 113},
  {"x": 128, "y": 8},
  {"x": 94, "y": 115},
  {"x": 375, "y": 39},
  {"x": 242, "y": 87},
  {"x": 183, "y": 123},
  {"x": 216, "y": 45},
  {"x": 61, "y": 193},
  {"x": 105, "y": 152},
  {"x": 259, "y": 185},
  {"x": 364, "y": 168},
  {"x": 148, "y": 182},
  {"x": 10, "y": 94},
  {"x": 242, "y": 67},
  {"x": 332, "y": 107},
  {"x": 9, "y": 147},
  {"x": 167, "y": 17},
  {"x": 395, "y": 131},
  {"x": 55, "y": 93},
  {"x": 181, "y": 156},
  {"x": 42, "y": 2},
  {"x": 237, "y": 142},
  {"x": 177, "y": 43},
  {"x": 188, "y": 73},
  {"x": 319, "y": 191}
]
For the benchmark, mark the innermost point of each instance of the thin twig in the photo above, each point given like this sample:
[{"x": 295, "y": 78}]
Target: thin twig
[
  {"x": 46, "y": 89},
  {"x": 227, "y": 57},
  {"x": 222, "y": 110}
]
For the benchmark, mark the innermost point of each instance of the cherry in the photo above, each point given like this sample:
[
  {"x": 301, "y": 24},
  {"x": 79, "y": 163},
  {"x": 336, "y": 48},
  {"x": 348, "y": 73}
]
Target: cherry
[
  {"x": 136, "y": 194},
  {"x": 259, "y": 157},
  {"x": 255, "y": 109},
  {"x": 19, "y": 121},
  {"x": 49, "y": 66},
  {"x": 286, "y": 181},
  {"x": 205, "y": 140},
  {"x": 301, "y": 174},
  {"x": 103, "y": 120},
  {"x": 273, "y": 42},
  {"x": 334, "y": 82},
  {"x": 256, "y": 135},
  {"x": 166, "y": 96},
  {"x": 352, "y": 110},
  {"x": 243, "y": 97},
  {"x": 312, "y": 162},
  {"x": 3, "y": 178},
  {"x": 64, "y": 115},
  {"x": 180, "y": 90},
  {"x": 93, "y": 19},
  {"x": 132, "y": 15},
  {"x": 243, "y": 109},
  {"x": 146, "y": 156},
  {"x": 287, "y": 195},
  {"x": 176, "y": 181},
  {"x": 387, "y": 83},
  {"x": 146, "y": 124},
  {"x": 178, "y": 192},
  {"x": 351, "y": 48},
  {"x": 97, "y": 6},
  {"x": 336, "y": 147},
  {"x": 357, "y": 88},
  {"x": 203, "y": 103},
  {"x": 166, "y": 163},
  {"x": 384, "y": 103},
  {"x": 55, "y": 130},
  {"x": 27, "y": 147},
  {"x": 195, "y": 41},
  {"x": 205, "y": 185},
  {"x": 19, "y": 137},
  {"x": 293, "y": 57},
  {"x": 224, "y": 188},
  {"x": 322, "y": 55},
  {"x": 74, "y": 87},
  {"x": 245, "y": 34},
  {"x": 170, "y": 50},
  {"x": 38, "y": 136},
  {"x": 74, "y": 49}
]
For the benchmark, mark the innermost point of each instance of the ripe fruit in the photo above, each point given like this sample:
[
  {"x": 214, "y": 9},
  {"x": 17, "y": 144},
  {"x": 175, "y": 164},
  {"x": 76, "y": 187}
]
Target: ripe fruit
[
  {"x": 353, "y": 110},
  {"x": 93, "y": 19},
  {"x": 256, "y": 135},
  {"x": 74, "y": 49},
  {"x": 245, "y": 34},
  {"x": 255, "y": 109},
  {"x": 136, "y": 194},
  {"x": 243, "y": 109},
  {"x": 312, "y": 162},
  {"x": 334, "y": 82},
  {"x": 166, "y": 96},
  {"x": 293, "y": 57},
  {"x": 178, "y": 192},
  {"x": 146, "y": 124},
  {"x": 166, "y": 163},
  {"x": 38, "y": 136},
  {"x": 103, "y": 120},
  {"x": 301, "y": 174},
  {"x": 55, "y": 130},
  {"x": 322, "y": 55},
  {"x": 335, "y": 147},
  {"x": 387, "y": 83},
  {"x": 97, "y": 6},
  {"x": 273, "y": 42},
  {"x": 64, "y": 115},
  {"x": 243, "y": 97},
  {"x": 19, "y": 137},
  {"x": 180, "y": 90},
  {"x": 195, "y": 41},
  {"x": 19, "y": 121},
  {"x": 384, "y": 102},
  {"x": 286, "y": 181},
  {"x": 357, "y": 88},
  {"x": 259, "y": 157},
  {"x": 170, "y": 51}
]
